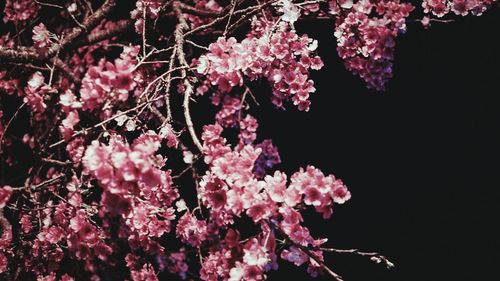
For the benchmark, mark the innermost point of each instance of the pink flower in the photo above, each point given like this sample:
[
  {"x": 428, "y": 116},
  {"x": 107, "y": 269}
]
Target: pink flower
[
  {"x": 3, "y": 263},
  {"x": 146, "y": 273},
  {"x": 340, "y": 192},
  {"x": 177, "y": 263},
  {"x": 26, "y": 224},
  {"x": 69, "y": 101},
  {"x": 232, "y": 238},
  {"x": 5, "y": 193},
  {"x": 276, "y": 186},
  {"x": 191, "y": 230},
  {"x": 248, "y": 128},
  {"x": 291, "y": 12},
  {"x": 255, "y": 254},
  {"x": 167, "y": 132},
  {"x": 366, "y": 38},
  {"x": 319, "y": 190},
  {"x": 228, "y": 61},
  {"x": 110, "y": 81},
  {"x": 20, "y": 10},
  {"x": 437, "y": 7},
  {"x": 41, "y": 38},
  {"x": 259, "y": 211},
  {"x": 35, "y": 93},
  {"x": 294, "y": 255},
  {"x": 312, "y": 196},
  {"x": 68, "y": 124}
]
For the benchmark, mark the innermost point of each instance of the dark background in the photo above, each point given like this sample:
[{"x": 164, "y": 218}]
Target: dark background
[{"x": 421, "y": 159}]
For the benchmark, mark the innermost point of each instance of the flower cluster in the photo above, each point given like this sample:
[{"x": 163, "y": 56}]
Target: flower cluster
[
  {"x": 135, "y": 188},
  {"x": 268, "y": 158},
  {"x": 177, "y": 263},
  {"x": 191, "y": 230},
  {"x": 5, "y": 193},
  {"x": 229, "y": 114},
  {"x": 440, "y": 8},
  {"x": 20, "y": 10},
  {"x": 41, "y": 38},
  {"x": 277, "y": 54},
  {"x": 36, "y": 93},
  {"x": 107, "y": 82},
  {"x": 8, "y": 86},
  {"x": 248, "y": 128},
  {"x": 146, "y": 273},
  {"x": 70, "y": 106},
  {"x": 366, "y": 32},
  {"x": 230, "y": 189},
  {"x": 291, "y": 12},
  {"x": 64, "y": 229}
]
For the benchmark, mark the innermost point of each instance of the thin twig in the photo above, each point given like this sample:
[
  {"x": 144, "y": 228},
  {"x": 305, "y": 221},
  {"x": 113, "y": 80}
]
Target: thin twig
[
  {"x": 49, "y": 4},
  {"x": 308, "y": 252},
  {"x": 8, "y": 124},
  {"x": 197, "y": 45},
  {"x": 66, "y": 71},
  {"x": 56, "y": 162},
  {"x": 85, "y": 130},
  {"x": 376, "y": 257},
  {"x": 231, "y": 12},
  {"x": 27, "y": 186}
]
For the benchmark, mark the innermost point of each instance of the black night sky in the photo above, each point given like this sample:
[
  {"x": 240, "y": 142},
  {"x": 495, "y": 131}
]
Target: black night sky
[{"x": 421, "y": 159}]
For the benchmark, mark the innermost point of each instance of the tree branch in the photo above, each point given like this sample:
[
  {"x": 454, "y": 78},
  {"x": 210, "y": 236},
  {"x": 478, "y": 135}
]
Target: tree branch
[
  {"x": 179, "y": 46},
  {"x": 198, "y": 12},
  {"x": 376, "y": 257},
  {"x": 23, "y": 54},
  {"x": 308, "y": 252},
  {"x": 66, "y": 71}
]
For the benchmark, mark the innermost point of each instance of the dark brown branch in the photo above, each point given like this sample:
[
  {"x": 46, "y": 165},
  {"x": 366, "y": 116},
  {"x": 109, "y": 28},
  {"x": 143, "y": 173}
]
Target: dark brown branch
[
  {"x": 66, "y": 71},
  {"x": 20, "y": 54},
  {"x": 119, "y": 28},
  {"x": 23, "y": 54},
  {"x": 197, "y": 12},
  {"x": 88, "y": 24}
]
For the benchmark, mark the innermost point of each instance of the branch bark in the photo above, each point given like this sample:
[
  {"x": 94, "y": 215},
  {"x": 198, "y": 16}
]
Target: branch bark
[
  {"x": 24, "y": 54},
  {"x": 179, "y": 46}
]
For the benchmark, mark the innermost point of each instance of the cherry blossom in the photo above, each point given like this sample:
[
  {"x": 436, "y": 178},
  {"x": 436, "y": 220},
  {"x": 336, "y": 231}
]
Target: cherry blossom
[
  {"x": 441, "y": 8},
  {"x": 366, "y": 34},
  {"x": 41, "y": 38},
  {"x": 121, "y": 177},
  {"x": 283, "y": 57},
  {"x": 20, "y": 10},
  {"x": 108, "y": 82}
]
